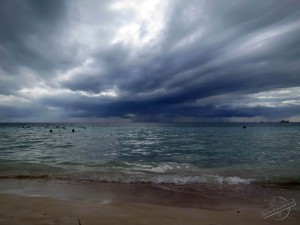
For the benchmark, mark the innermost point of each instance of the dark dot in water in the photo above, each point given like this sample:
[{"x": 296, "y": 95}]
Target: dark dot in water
[
  {"x": 238, "y": 211},
  {"x": 244, "y": 127},
  {"x": 50, "y": 131},
  {"x": 45, "y": 214},
  {"x": 73, "y": 130}
]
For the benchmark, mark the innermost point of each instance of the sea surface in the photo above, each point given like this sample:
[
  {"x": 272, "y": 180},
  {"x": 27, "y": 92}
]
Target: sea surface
[{"x": 180, "y": 153}]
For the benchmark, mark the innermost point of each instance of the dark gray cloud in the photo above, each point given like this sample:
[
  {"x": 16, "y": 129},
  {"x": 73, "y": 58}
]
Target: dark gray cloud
[
  {"x": 29, "y": 43},
  {"x": 174, "y": 59},
  {"x": 27, "y": 30}
]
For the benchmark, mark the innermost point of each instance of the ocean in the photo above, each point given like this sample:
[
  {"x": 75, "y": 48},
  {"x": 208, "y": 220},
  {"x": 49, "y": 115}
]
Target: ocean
[{"x": 159, "y": 153}]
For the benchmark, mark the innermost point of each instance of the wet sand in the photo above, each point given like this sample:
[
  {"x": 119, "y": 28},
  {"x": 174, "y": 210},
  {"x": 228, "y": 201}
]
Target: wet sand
[{"x": 58, "y": 202}]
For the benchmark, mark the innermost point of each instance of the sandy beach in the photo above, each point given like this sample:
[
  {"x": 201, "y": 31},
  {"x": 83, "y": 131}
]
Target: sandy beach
[
  {"x": 107, "y": 203},
  {"x": 42, "y": 210}
]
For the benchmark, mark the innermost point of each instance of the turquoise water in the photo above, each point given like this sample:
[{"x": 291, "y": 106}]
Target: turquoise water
[{"x": 159, "y": 153}]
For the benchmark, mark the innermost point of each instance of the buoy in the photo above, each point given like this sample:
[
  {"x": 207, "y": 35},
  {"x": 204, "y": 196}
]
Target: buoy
[
  {"x": 244, "y": 127},
  {"x": 50, "y": 131},
  {"x": 73, "y": 130}
]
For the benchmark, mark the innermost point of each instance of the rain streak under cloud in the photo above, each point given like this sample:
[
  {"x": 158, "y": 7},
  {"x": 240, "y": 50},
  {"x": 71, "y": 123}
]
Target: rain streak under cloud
[{"x": 150, "y": 60}]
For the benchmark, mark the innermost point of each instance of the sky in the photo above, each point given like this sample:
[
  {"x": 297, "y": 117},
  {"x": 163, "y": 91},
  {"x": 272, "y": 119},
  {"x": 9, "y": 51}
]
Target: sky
[{"x": 149, "y": 60}]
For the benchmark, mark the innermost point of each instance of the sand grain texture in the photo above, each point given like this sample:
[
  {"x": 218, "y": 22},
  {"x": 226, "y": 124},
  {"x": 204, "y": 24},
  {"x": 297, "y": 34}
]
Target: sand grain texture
[{"x": 50, "y": 211}]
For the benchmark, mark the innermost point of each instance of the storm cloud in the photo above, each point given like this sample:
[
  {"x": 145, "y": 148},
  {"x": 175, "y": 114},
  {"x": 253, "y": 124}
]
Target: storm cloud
[{"x": 149, "y": 60}]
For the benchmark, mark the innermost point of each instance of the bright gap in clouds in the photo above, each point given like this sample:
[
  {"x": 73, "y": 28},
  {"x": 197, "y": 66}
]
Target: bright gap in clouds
[
  {"x": 38, "y": 92},
  {"x": 147, "y": 24},
  {"x": 277, "y": 98},
  {"x": 282, "y": 97}
]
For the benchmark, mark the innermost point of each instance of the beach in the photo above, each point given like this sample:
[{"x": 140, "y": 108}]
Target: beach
[
  {"x": 61, "y": 202},
  {"x": 206, "y": 173},
  {"x": 129, "y": 112}
]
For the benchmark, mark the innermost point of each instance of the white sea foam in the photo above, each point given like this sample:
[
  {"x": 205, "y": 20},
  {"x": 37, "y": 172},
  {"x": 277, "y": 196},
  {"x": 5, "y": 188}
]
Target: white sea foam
[
  {"x": 161, "y": 178},
  {"x": 232, "y": 180},
  {"x": 165, "y": 167}
]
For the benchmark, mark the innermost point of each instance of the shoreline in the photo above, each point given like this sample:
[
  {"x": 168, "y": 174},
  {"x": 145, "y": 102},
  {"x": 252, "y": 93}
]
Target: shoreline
[{"x": 27, "y": 202}]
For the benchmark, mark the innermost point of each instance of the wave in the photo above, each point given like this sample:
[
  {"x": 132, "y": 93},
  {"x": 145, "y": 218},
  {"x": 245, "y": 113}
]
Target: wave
[
  {"x": 176, "y": 179},
  {"x": 125, "y": 172},
  {"x": 138, "y": 178}
]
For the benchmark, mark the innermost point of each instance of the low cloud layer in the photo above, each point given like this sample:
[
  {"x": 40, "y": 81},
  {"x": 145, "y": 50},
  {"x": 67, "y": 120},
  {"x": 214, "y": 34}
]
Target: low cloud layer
[{"x": 149, "y": 60}]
